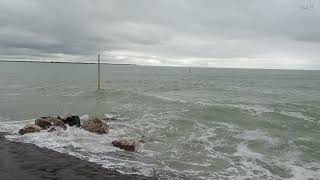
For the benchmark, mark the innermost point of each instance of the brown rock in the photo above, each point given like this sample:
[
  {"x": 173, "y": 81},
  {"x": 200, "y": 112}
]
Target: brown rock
[
  {"x": 126, "y": 145},
  {"x": 43, "y": 123},
  {"x": 57, "y": 122},
  {"x": 29, "y": 128},
  {"x": 96, "y": 125}
]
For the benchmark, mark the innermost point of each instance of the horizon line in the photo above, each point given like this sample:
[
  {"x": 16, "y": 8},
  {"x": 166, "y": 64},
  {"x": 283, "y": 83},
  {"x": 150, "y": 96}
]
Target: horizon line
[
  {"x": 108, "y": 63},
  {"x": 64, "y": 62}
]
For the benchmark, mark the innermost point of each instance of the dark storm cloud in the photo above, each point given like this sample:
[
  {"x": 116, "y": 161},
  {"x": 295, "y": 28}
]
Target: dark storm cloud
[{"x": 232, "y": 33}]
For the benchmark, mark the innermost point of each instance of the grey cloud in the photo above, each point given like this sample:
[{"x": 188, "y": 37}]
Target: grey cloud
[{"x": 167, "y": 32}]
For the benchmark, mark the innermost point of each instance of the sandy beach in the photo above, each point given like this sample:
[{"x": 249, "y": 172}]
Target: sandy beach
[{"x": 30, "y": 162}]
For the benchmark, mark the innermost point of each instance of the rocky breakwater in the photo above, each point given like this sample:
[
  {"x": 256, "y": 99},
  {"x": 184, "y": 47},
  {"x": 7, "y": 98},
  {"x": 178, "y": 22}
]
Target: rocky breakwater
[
  {"x": 94, "y": 125},
  {"x": 50, "y": 123}
]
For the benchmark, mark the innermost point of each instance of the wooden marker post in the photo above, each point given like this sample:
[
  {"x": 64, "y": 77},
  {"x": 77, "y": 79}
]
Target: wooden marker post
[{"x": 98, "y": 72}]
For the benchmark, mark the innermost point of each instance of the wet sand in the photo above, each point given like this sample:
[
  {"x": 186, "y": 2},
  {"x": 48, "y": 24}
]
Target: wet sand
[{"x": 30, "y": 162}]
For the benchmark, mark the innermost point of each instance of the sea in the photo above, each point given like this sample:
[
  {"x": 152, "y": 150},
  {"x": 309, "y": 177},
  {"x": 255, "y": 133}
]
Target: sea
[{"x": 197, "y": 123}]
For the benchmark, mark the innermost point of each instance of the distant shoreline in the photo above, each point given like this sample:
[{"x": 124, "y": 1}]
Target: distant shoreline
[
  {"x": 64, "y": 62},
  {"x": 105, "y": 63}
]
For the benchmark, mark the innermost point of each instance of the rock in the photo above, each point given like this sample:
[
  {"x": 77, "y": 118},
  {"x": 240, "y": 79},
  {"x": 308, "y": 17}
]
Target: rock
[
  {"x": 52, "y": 129},
  {"x": 57, "y": 122},
  {"x": 55, "y": 128},
  {"x": 29, "y": 128},
  {"x": 72, "y": 121},
  {"x": 96, "y": 125},
  {"x": 43, "y": 123},
  {"x": 132, "y": 146}
]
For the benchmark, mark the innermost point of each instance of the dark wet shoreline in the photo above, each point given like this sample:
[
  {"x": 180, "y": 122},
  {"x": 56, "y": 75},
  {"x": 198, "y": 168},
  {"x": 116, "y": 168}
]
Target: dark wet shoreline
[{"x": 30, "y": 162}]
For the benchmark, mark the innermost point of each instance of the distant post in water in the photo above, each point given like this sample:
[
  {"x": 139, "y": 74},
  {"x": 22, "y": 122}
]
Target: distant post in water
[{"x": 98, "y": 72}]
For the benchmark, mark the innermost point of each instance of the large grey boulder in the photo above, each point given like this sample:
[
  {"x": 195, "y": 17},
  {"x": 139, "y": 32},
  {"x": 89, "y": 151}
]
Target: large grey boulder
[
  {"x": 96, "y": 125},
  {"x": 29, "y": 128},
  {"x": 43, "y": 123},
  {"x": 127, "y": 145},
  {"x": 57, "y": 122}
]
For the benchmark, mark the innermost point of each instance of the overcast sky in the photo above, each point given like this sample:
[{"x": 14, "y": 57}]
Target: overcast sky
[{"x": 210, "y": 33}]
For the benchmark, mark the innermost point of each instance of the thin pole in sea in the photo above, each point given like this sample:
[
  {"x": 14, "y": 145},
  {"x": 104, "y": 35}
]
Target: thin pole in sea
[{"x": 99, "y": 72}]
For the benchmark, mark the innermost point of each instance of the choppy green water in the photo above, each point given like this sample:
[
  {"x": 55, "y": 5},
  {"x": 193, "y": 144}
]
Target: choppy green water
[{"x": 207, "y": 124}]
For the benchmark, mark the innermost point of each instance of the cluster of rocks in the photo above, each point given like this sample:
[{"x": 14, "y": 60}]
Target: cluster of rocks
[{"x": 94, "y": 125}]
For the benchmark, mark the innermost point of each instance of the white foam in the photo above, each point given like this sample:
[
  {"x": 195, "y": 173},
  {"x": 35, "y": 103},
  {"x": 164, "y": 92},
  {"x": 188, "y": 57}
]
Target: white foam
[
  {"x": 258, "y": 134},
  {"x": 231, "y": 127},
  {"x": 73, "y": 94},
  {"x": 253, "y": 110},
  {"x": 12, "y": 94},
  {"x": 290, "y": 161},
  {"x": 110, "y": 116},
  {"x": 14, "y": 126},
  {"x": 249, "y": 167},
  {"x": 84, "y": 117},
  {"x": 298, "y": 115},
  {"x": 244, "y": 152},
  {"x": 304, "y": 172},
  {"x": 173, "y": 99}
]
